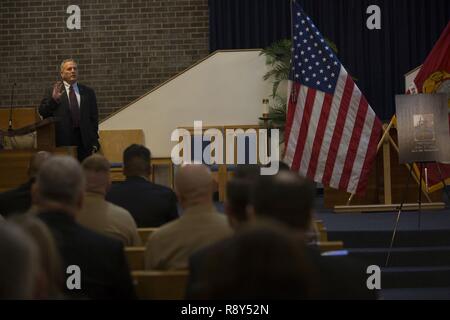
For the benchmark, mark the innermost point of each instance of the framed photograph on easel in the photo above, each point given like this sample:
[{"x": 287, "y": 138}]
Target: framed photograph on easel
[{"x": 423, "y": 130}]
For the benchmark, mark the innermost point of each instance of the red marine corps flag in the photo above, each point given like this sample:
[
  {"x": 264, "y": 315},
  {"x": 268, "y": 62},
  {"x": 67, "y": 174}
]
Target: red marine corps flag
[{"x": 434, "y": 76}]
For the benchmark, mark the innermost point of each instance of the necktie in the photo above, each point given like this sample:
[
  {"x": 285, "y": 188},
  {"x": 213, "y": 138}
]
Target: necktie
[{"x": 74, "y": 108}]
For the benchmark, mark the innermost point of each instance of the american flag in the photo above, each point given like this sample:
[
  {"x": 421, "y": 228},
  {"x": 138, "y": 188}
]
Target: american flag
[{"x": 331, "y": 131}]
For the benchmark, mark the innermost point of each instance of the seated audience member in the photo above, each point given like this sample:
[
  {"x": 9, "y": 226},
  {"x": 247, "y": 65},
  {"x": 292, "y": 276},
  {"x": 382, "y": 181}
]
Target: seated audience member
[
  {"x": 289, "y": 199},
  {"x": 238, "y": 194},
  {"x": 18, "y": 200},
  {"x": 19, "y": 263},
  {"x": 235, "y": 208},
  {"x": 261, "y": 261},
  {"x": 200, "y": 224},
  {"x": 285, "y": 197},
  {"x": 97, "y": 213},
  {"x": 58, "y": 194},
  {"x": 50, "y": 280},
  {"x": 150, "y": 204}
]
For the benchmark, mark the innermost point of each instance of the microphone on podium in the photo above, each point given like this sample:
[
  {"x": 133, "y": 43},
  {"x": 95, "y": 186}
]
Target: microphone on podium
[{"x": 11, "y": 108}]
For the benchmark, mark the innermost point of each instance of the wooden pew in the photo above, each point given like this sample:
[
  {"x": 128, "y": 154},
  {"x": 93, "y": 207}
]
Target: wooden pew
[
  {"x": 325, "y": 246},
  {"x": 160, "y": 285},
  {"x": 320, "y": 229},
  {"x": 144, "y": 233},
  {"x": 135, "y": 257}
]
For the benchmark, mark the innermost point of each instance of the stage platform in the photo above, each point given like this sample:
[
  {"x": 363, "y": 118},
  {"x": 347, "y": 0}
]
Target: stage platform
[{"x": 419, "y": 267}]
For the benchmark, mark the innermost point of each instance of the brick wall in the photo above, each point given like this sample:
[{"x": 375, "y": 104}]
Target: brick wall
[{"x": 124, "y": 48}]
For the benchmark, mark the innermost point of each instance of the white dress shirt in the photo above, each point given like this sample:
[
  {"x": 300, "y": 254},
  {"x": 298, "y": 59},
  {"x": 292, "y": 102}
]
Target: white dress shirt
[{"x": 77, "y": 92}]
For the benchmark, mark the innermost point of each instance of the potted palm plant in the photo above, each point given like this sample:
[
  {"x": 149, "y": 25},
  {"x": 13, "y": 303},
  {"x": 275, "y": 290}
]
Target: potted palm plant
[{"x": 278, "y": 59}]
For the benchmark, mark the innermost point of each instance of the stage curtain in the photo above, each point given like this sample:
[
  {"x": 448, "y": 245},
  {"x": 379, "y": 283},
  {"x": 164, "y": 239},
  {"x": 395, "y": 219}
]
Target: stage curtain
[{"x": 377, "y": 59}]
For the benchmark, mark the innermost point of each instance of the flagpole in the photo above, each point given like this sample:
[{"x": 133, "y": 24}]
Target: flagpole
[
  {"x": 293, "y": 88},
  {"x": 292, "y": 94},
  {"x": 380, "y": 143}
]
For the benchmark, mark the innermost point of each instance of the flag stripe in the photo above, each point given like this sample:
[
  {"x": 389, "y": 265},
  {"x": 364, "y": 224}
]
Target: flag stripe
[
  {"x": 295, "y": 128},
  {"x": 337, "y": 134},
  {"x": 312, "y": 129},
  {"x": 330, "y": 125},
  {"x": 368, "y": 152},
  {"x": 318, "y": 139},
  {"x": 346, "y": 137},
  {"x": 354, "y": 144},
  {"x": 309, "y": 103}
]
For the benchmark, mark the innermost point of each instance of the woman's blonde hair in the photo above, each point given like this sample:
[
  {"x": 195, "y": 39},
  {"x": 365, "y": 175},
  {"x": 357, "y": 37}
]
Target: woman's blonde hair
[{"x": 51, "y": 265}]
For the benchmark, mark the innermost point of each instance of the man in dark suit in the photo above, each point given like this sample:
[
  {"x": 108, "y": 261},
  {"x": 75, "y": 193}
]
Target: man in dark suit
[
  {"x": 150, "y": 204},
  {"x": 58, "y": 194},
  {"x": 18, "y": 200},
  {"x": 75, "y": 106},
  {"x": 263, "y": 260}
]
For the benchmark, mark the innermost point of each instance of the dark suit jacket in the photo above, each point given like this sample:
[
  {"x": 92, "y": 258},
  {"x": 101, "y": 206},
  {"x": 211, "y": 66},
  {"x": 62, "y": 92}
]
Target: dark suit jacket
[
  {"x": 104, "y": 268},
  {"x": 61, "y": 110},
  {"x": 17, "y": 200},
  {"x": 337, "y": 277},
  {"x": 150, "y": 204}
]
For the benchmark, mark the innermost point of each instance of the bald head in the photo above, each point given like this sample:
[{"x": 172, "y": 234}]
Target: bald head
[
  {"x": 36, "y": 162},
  {"x": 193, "y": 184},
  {"x": 96, "y": 172}
]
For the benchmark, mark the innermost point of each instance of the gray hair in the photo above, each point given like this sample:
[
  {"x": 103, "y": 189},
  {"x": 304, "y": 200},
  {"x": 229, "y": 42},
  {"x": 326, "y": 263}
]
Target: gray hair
[
  {"x": 20, "y": 263},
  {"x": 65, "y": 61},
  {"x": 61, "y": 180},
  {"x": 36, "y": 162}
]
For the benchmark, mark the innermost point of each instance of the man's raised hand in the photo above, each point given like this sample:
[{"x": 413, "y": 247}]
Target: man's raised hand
[{"x": 58, "y": 88}]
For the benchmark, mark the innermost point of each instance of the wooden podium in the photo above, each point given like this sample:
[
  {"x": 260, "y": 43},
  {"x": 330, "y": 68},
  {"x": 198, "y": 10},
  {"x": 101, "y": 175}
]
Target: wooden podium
[{"x": 14, "y": 162}]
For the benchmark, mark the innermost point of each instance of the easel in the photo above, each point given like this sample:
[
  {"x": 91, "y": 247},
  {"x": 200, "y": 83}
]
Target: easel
[
  {"x": 385, "y": 143},
  {"x": 420, "y": 206}
]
